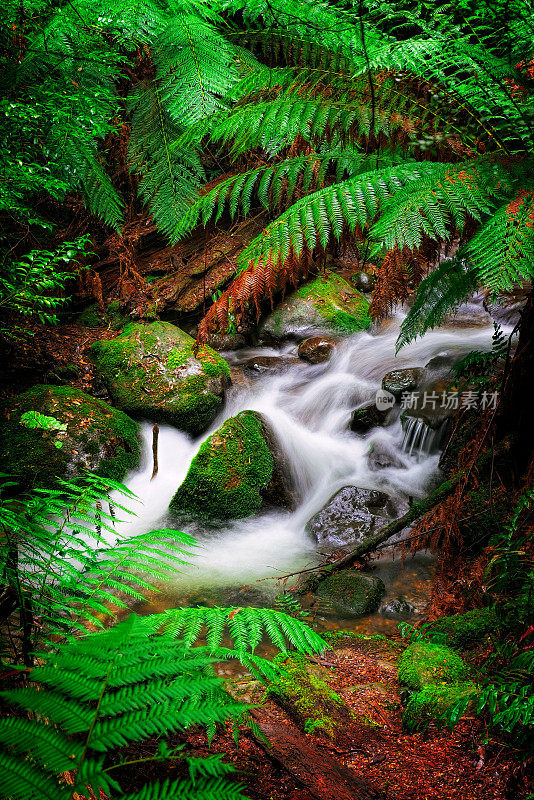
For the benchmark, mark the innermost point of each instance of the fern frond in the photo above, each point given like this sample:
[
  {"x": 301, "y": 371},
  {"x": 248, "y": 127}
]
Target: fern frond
[
  {"x": 442, "y": 199},
  {"x": 443, "y": 291},
  {"x": 145, "y": 685},
  {"x": 194, "y": 67},
  {"x": 502, "y": 250},
  {"x": 321, "y": 215},
  {"x": 246, "y": 626},
  {"x": 170, "y": 175},
  {"x": 271, "y": 183}
]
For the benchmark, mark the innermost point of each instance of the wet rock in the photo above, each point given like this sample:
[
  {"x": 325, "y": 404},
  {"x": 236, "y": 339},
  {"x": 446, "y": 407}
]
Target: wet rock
[
  {"x": 363, "y": 281},
  {"x": 432, "y": 404},
  {"x": 94, "y": 437},
  {"x": 440, "y": 362},
  {"x": 469, "y": 315},
  {"x": 317, "y": 349},
  {"x": 398, "y": 608},
  {"x": 327, "y": 304},
  {"x": 350, "y": 593},
  {"x": 155, "y": 370},
  {"x": 350, "y": 516},
  {"x": 237, "y": 469},
  {"x": 402, "y": 380},
  {"x": 263, "y": 364},
  {"x": 227, "y": 341},
  {"x": 381, "y": 456},
  {"x": 368, "y": 417}
]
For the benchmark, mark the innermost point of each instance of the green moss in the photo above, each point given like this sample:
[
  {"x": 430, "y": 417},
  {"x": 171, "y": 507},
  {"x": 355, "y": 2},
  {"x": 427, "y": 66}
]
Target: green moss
[
  {"x": 464, "y": 631},
  {"x": 227, "y": 476},
  {"x": 327, "y": 302},
  {"x": 310, "y": 697},
  {"x": 423, "y": 664},
  {"x": 178, "y": 357},
  {"x": 155, "y": 370},
  {"x": 351, "y": 592},
  {"x": 344, "y": 308},
  {"x": 98, "y": 438},
  {"x": 111, "y": 317},
  {"x": 432, "y": 702}
]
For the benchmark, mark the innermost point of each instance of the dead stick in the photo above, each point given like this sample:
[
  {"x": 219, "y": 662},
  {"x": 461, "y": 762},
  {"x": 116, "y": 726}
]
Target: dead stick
[{"x": 155, "y": 433}]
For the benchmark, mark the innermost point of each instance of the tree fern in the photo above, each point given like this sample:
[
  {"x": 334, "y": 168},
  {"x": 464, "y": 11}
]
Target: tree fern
[
  {"x": 64, "y": 564},
  {"x": 100, "y": 693},
  {"x": 502, "y": 250},
  {"x": 443, "y": 291}
]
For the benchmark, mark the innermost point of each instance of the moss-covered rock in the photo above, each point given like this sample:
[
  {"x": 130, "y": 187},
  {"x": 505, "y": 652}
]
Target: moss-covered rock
[
  {"x": 97, "y": 437},
  {"x": 154, "y": 370},
  {"x": 464, "y": 631},
  {"x": 308, "y": 698},
  {"x": 424, "y": 664},
  {"x": 327, "y": 304},
  {"x": 234, "y": 471},
  {"x": 432, "y": 702},
  {"x": 350, "y": 593}
]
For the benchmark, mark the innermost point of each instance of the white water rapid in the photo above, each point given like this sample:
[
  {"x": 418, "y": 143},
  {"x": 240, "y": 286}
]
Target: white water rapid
[{"x": 309, "y": 409}]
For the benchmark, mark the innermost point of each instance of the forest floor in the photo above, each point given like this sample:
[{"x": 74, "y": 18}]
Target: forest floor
[{"x": 434, "y": 765}]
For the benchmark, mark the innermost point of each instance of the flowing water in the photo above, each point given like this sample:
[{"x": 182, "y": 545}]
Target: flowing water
[{"x": 308, "y": 407}]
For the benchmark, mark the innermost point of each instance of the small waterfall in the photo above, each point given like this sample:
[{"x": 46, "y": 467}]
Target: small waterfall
[
  {"x": 420, "y": 438},
  {"x": 308, "y": 408}
]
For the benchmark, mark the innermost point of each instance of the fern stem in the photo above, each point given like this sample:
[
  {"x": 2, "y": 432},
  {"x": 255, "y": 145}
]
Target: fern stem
[{"x": 93, "y": 722}]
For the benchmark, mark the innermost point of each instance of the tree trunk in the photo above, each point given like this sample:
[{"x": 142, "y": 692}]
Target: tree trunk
[{"x": 516, "y": 415}]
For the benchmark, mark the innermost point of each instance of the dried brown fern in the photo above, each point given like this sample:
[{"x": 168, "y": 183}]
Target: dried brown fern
[{"x": 251, "y": 288}]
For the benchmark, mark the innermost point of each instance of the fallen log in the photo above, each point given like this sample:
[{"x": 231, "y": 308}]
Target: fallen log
[{"x": 323, "y": 776}]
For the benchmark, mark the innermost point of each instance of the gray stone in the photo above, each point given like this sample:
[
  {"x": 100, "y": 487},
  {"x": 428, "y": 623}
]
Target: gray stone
[
  {"x": 402, "y": 380},
  {"x": 350, "y": 516},
  {"x": 398, "y": 608}
]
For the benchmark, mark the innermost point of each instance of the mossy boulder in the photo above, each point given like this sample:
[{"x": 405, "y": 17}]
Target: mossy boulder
[
  {"x": 304, "y": 692},
  {"x": 433, "y": 701},
  {"x": 424, "y": 664},
  {"x": 235, "y": 471},
  {"x": 350, "y": 593},
  {"x": 327, "y": 304},
  {"x": 465, "y": 631},
  {"x": 154, "y": 370},
  {"x": 97, "y": 437}
]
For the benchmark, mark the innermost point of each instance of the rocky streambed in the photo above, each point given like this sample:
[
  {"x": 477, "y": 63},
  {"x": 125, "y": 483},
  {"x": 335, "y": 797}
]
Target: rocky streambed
[{"x": 273, "y": 454}]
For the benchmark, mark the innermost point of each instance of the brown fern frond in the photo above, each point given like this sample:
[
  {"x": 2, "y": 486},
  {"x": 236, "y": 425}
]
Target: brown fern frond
[
  {"x": 252, "y": 287},
  {"x": 392, "y": 282}
]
